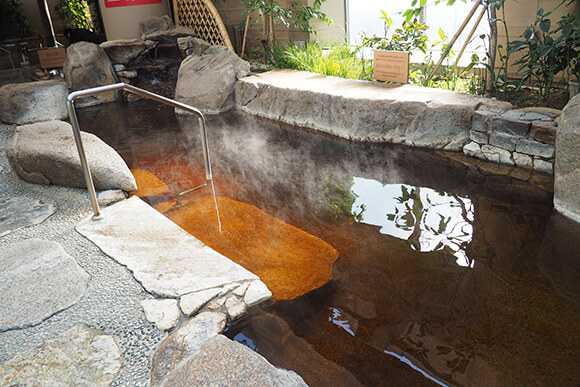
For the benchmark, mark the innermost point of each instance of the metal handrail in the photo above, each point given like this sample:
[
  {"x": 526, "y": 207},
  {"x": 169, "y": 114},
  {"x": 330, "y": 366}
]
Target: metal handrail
[{"x": 143, "y": 93}]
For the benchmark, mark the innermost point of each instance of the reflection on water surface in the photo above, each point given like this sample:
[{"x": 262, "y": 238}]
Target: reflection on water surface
[
  {"x": 404, "y": 287},
  {"x": 427, "y": 219}
]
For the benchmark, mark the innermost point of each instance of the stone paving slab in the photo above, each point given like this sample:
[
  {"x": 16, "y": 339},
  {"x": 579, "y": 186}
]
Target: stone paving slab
[
  {"x": 163, "y": 257},
  {"x": 79, "y": 357},
  {"x": 20, "y": 211},
  {"x": 37, "y": 279}
]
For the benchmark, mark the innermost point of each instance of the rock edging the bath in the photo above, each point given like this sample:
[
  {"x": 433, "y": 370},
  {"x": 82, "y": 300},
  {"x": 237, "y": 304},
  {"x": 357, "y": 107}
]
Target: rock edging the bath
[
  {"x": 567, "y": 176},
  {"x": 223, "y": 362},
  {"x": 360, "y": 110},
  {"x": 86, "y": 66},
  {"x": 207, "y": 82},
  {"x": 45, "y": 153},
  {"x": 25, "y": 103}
]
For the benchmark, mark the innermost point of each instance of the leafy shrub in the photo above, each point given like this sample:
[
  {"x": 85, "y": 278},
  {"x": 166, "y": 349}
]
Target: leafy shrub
[{"x": 547, "y": 52}]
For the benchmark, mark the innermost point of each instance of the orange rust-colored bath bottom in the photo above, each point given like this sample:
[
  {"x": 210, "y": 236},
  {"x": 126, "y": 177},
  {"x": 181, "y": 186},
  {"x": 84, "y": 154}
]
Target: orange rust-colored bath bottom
[{"x": 290, "y": 261}]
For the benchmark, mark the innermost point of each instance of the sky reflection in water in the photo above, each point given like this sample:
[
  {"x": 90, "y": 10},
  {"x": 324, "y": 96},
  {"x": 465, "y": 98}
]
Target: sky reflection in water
[{"x": 427, "y": 219}]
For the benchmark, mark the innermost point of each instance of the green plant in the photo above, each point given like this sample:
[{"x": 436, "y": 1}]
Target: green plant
[
  {"x": 74, "y": 12},
  {"x": 13, "y": 19},
  {"x": 498, "y": 76},
  {"x": 410, "y": 37},
  {"x": 298, "y": 15},
  {"x": 339, "y": 59},
  {"x": 546, "y": 52}
]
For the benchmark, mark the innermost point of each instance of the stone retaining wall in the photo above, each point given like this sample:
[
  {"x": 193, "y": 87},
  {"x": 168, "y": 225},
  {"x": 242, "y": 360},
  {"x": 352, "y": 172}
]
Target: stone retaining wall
[
  {"x": 521, "y": 137},
  {"x": 364, "y": 111}
]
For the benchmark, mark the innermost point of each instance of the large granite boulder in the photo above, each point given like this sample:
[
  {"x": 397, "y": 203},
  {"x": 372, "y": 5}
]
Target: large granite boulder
[
  {"x": 187, "y": 341},
  {"x": 567, "y": 169},
  {"x": 191, "y": 45},
  {"x": 37, "y": 279},
  {"x": 25, "y": 103},
  {"x": 86, "y": 66},
  {"x": 46, "y": 153},
  {"x": 207, "y": 82},
  {"x": 123, "y": 51},
  {"x": 80, "y": 356},
  {"x": 162, "y": 29},
  {"x": 223, "y": 362}
]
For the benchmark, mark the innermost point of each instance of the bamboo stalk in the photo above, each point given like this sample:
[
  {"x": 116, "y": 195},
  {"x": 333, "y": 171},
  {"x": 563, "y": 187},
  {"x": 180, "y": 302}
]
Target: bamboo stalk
[
  {"x": 450, "y": 45},
  {"x": 245, "y": 35},
  {"x": 470, "y": 35}
]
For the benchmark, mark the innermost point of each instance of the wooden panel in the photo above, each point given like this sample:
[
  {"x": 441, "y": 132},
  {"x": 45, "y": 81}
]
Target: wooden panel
[{"x": 391, "y": 66}]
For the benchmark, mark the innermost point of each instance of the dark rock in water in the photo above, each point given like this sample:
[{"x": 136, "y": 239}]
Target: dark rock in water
[
  {"x": 25, "y": 103},
  {"x": 45, "y": 153},
  {"x": 37, "y": 279},
  {"x": 20, "y": 212},
  {"x": 156, "y": 70},
  {"x": 276, "y": 341},
  {"x": 86, "y": 66}
]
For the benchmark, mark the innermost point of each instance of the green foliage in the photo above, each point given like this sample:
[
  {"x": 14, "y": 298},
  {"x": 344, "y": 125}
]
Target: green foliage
[
  {"x": 416, "y": 11},
  {"x": 12, "y": 19},
  {"x": 548, "y": 52},
  {"x": 499, "y": 77},
  {"x": 410, "y": 37},
  {"x": 298, "y": 15},
  {"x": 74, "y": 12},
  {"x": 338, "y": 60}
]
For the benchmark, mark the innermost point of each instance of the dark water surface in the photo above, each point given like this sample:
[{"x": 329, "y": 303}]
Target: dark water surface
[{"x": 444, "y": 274}]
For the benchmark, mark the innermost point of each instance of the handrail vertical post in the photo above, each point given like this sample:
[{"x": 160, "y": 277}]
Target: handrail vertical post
[
  {"x": 84, "y": 164},
  {"x": 205, "y": 148}
]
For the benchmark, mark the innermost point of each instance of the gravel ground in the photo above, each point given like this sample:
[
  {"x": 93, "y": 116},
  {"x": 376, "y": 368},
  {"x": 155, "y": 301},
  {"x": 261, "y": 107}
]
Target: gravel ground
[{"x": 111, "y": 302}]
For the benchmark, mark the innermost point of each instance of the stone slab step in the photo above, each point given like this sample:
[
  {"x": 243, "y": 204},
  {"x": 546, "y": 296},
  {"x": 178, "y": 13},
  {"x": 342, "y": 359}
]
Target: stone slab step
[{"x": 163, "y": 257}]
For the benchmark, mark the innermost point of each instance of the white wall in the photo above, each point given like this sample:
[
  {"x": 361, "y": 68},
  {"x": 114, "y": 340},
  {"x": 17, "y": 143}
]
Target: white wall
[
  {"x": 336, "y": 32},
  {"x": 364, "y": 17},
  {"x": 123, "y": 22}
]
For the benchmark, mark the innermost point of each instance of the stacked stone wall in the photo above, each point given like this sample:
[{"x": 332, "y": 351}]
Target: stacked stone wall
[{"x": 522, "y": 138}]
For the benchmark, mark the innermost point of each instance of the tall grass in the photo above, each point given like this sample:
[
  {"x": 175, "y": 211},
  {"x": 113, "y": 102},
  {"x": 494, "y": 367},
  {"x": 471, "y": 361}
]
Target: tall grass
[{"x": 339, "y": 60}]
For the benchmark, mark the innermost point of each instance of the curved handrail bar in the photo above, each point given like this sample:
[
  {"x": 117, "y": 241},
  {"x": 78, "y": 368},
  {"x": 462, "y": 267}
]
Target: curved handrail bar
[{"x": 144, "y": 93}]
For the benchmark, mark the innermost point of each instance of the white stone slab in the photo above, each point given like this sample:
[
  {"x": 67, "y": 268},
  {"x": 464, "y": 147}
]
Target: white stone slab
[
  {"x": 163, "y": 257},
  {"x": 257, "y": 293},
  {"x": 163, "y": 313},
  {"x": 191, "y": 303}
]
